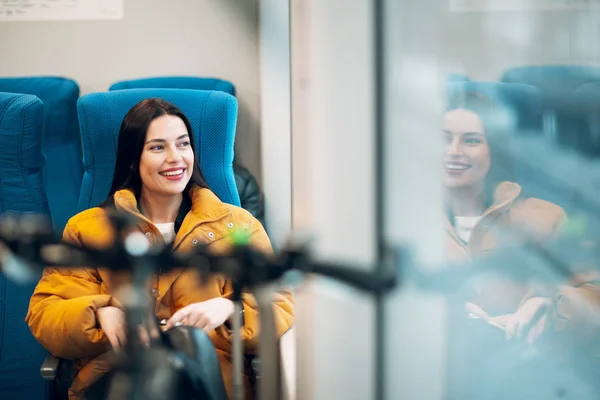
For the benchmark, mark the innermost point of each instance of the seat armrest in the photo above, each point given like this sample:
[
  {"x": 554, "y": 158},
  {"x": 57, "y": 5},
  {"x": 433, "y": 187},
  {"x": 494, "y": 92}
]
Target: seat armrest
[{"x": 49, "y": 369}]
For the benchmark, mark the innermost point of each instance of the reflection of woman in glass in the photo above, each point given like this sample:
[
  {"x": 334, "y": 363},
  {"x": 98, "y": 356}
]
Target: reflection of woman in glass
[{"x": 485, "y": 211}]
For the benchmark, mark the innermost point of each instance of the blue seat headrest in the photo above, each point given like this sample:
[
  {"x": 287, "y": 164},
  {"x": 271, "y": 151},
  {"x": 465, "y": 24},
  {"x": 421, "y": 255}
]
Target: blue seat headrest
[
  {"x": 177, "y": 82},
  {"x": 22, "y": 157},
  {"x": 212, "y": 114},
  {"x": 59, "y": 96}
]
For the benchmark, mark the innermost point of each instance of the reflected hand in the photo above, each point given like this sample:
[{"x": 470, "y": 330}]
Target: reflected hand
[
  {"x": 475, "y": 311},
  {"x": 206, "y": 315},
  {"x": 533, "y": 315},
  {"x": 112, "y": 322}
]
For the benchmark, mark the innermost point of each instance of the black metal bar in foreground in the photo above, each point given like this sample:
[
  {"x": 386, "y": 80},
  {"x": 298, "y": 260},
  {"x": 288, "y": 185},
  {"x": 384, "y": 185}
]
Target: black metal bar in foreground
[{"x": 27, "y": 245}]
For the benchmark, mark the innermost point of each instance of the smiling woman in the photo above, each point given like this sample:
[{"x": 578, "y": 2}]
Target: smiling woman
[
  {"x": 484, "y": 207},
  {"x": 154, "y": 139},
  {"x": 488, "y": 212},
  {"x": 476, "y": 132},
  {"x": 157, "y": 182},
  {"x": 467, "y": 158}
]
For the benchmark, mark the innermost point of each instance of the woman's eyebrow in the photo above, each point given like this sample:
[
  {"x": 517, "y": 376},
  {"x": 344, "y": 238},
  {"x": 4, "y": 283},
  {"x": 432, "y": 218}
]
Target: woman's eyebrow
[
  {"x": 163, "y": 140},
  {"x": 473, "y": 134}
]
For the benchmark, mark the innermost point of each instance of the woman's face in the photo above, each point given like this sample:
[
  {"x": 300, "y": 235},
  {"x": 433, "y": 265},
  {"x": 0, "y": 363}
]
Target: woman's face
[
  {"x": 466, "y": 160},
  {"x": 167, "y": 158}
]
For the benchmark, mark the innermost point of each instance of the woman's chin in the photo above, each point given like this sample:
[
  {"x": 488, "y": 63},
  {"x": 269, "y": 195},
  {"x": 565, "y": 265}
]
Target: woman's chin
[
  {"x": 453, "y": 183},
  {"x": 175, "y": 189}
]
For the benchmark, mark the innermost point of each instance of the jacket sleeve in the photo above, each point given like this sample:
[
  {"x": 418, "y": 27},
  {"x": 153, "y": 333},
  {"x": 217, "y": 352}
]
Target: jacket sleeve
[
  {"x": 62, "y": 310},
  {"x": 555, "y": 230},
  {"x": 577, "y": 308},
  {"x": 283, "y": 303},
  {"x": 577, "y": 302}
]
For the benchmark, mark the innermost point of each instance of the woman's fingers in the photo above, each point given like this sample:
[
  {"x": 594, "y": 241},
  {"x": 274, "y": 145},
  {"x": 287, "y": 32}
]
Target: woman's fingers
[
  {"x": 178, "y": 318},
  {"x": 144, "y": 336},
  {"x": 511, "y": 327},
  {"x": 476, "y": 311},
  {"x": 536, "y": 331},
  {"x": 113, "y": 340}
]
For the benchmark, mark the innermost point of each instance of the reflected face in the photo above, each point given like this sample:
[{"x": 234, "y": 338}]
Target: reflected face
[
  {"x": 167, "y": 158},
  {"x": 466, "y": 160}
]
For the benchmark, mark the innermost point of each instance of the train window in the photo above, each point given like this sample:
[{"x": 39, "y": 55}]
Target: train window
[{"x": 492, "y": 163}]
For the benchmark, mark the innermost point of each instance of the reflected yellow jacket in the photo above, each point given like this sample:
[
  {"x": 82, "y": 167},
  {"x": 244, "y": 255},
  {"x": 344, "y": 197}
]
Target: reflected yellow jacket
[
  {"x": 577, "y": 303},
  {"x": 62, "y": 309}
]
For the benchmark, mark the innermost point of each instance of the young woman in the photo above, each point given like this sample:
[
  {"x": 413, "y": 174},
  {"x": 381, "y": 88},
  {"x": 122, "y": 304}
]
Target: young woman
[
  {"x": 486, "y": 210},
  {"x": 76, "y": 314}
]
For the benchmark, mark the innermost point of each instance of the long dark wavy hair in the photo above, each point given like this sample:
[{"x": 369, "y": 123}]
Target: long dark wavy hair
[{"x": 132, "y": 137}]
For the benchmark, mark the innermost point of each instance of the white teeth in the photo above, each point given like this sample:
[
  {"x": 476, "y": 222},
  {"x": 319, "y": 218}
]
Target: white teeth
[
  {"x": 458, "y": 167},
  {"x": 173, "y": 173}
]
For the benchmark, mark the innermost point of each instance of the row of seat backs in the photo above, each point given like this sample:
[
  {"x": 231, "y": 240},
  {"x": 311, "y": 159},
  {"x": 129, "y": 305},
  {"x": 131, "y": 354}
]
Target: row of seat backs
[
  {"x": 64, "y": 171},
  {"x": 553, "y": 81},
  {"x": 549, "y": 99},
  {"x": 21, "y": 192},
  {"x": 569, "y": 100},
  {"x": 213, "y": 116}
]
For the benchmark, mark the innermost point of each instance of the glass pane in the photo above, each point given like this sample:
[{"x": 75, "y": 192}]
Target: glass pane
[{"x": 492, "y": 180}]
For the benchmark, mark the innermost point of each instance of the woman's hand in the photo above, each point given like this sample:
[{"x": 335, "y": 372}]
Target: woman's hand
[
  {"x": 475, "y": 311},
  {"x": 112, "y": 322},
  {"x": 533, "y": 315},
  {"x": 206, "y": 315}
]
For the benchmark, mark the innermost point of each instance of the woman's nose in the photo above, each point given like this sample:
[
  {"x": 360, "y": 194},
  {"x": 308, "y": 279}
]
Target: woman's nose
[
  {"x": 454, "y": 148},
  {"x": 173, "y": 155}
]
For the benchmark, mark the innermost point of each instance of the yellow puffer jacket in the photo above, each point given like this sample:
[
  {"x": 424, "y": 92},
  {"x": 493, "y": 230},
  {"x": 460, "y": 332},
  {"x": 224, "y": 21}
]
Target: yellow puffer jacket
[{"x": 62, "y": 309}]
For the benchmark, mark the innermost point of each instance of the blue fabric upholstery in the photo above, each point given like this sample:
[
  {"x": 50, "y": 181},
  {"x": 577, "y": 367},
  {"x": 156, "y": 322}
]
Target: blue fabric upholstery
[
  {"x": 557, "y": 85},
  {"x": 21, "y": 192},
  {"x": 553, "y": 80},
  {"x": 213, "y": 115},
  {"x": 587, "y": 104},
  {"x": 588, "y": 96},
  {"x": 524, "y": 100},
  {"x": 63, "y": 170},
  {"x": 177, "y": 82}
]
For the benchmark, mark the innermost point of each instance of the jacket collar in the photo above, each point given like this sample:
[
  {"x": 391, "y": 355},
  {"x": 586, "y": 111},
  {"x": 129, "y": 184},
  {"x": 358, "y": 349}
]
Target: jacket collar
[
  {"x": 206, "y": 207},
  {"x": 125, "y": 201},
  {"x": 505, "y": 195}
]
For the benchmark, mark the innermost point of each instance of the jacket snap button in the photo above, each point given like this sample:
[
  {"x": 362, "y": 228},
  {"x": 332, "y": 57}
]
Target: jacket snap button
[
  {"x": 211, "y": 235},
  {"x": 195, "y": 242},
  {"x": 147, "y": 234},
  {"x": 230, "y": 225}
]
